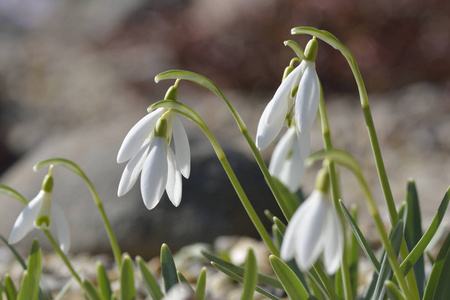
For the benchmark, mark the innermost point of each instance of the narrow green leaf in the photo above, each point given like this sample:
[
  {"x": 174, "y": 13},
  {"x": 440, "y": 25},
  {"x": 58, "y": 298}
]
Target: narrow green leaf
[
  {"x": 6, "y": 190},
  {"x": 353, "y": 255},
  {"x": 291, "y": 284},
  {"x": 419, "y": 249},
  {"x": 262, "y": 278},
  {"x": 127, "y": 289},
  {"x": 277, "y": 235},
  {"x": 103, "y": 282},
  {"x": 360, "y": 237},
  {"x": 26, "y": 288},
  {"x": 386, "y": 270},
  {"x": 438, "y": 269},
  {"x": 62, "y": 162},
  {"x": 149, "y": 280},
  {"x": 280, "y": 225},
  {"x": 393, "y": 292},
  {"x": 238, "y": 278},
  {"x": 34, "y": 268},
  {"x": 269, "y": 215},
  {"x": 168, "y": 268},
  {"x": 1, "y": 288},
  {"x": 250, "y": 276},
  {"x": 91, "y": 291},
  {"x": 191, "y": 76},
  {"x": 370, "y": 289},
  {"x": 413, "y": 232},
  {"x": 14, "y": 252},
  {"x": 200, "y": 290},
  {"x": 296, "y": 48},
  {"x": 182, "y": 279},
  {"x": 10, "y": 289},
  {"x": 65, "y": 289}
]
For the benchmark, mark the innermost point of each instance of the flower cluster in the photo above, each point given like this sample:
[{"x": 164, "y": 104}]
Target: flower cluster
[{"x": 295, "y": 104}]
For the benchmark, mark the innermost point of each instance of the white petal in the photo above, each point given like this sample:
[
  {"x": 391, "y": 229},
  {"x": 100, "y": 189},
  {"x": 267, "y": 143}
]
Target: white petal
[
  {"x": 293, "y": 169},
  {"x": 182, "y": 149},
  {"x": 154, "y": 173},
  {"x": 307, "y": 100},
  {"x": 62, "y": 227},
  {"x": 281, "y": 152},
  {"x": 304, "y": 142},
  {"x": 132, "y": 170},
  {"x": 310, "y": 237},
  {"x": 295, "y": 225},
  {"x": 25, "y": 221},
  {"x": 137, "y": 135},
  {"x": 173, "y": 185},
  {"x": 274, "y": 115},
  {"x": 334, "y": 243}
]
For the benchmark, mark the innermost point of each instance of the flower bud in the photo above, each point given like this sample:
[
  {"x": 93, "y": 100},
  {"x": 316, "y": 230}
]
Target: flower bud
[
  {"x": 172, "y": 93},
  {"x": 311, "y": 50}
]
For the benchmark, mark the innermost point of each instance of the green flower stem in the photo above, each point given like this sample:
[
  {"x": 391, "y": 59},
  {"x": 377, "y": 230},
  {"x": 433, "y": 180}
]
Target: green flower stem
[
  {"x": 63, "y": 256},
  {"x": 192, "y": 115},
  {"x": 335, "y": 195},
  {"x": 98, "y": 202}
]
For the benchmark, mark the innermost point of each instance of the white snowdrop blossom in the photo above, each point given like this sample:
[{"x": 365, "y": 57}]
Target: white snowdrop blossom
[
  {"x": 146, "y": 147},
  {"x": 297, "y": 96},
  {"x": 314, "y": 228},
  {"x": 42, "y": 213},
  {"x": 287, "y": 163}
]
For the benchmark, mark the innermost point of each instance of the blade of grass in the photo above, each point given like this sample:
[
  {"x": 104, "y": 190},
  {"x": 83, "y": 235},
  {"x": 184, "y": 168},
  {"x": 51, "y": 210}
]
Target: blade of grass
[
  {"x": 149, "y": 280},
  {"x": 127, "y": 289},
  {"x": 250, "y": 276},
  {"x": 291, "y": 284},
  {"x": 168, "y": 268},
  {"x": 200, "y": 289}
]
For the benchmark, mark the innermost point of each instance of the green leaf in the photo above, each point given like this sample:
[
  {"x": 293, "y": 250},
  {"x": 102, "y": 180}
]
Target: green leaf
[
  {"x": 29, "y": 287},
  {"x": 12, "y": 193},
  {"x": 127, "y": 289},
  {"x": 238, "y": 278},
  {"x": 291, "y": 284},
  {"x": 360, "y": 237},
  {"x": 291, "y": 201},
  {"x": 91, "y": 291},
  {"x": 278, "y": 236},
  {"x": 386, "y": 270},
  {"x": 191, "y": 76},
  {"x": 14, "y": 252},
  {"x": 413, "y": 232},
  {"x": 26, "y": 289},
  {"x": 250, "y": 276},
  {"x": 149, "y": 280},
  {"x": 262, "y": 278},
  {"x": 296, "y": 48},
  {"x": 280, "y": 225},
  {"x": 393, "y": 292},
  {"x": 103, "y": 282},
  {"x": 200, "y": 290},
  {"x": 10, "y": 289},
  {"x": 440, "y": 268},
  {"x": 353, "y": 255},
  {"x": 168, "y": 268},
  {"x": 183, "y": 280},
  {"x": 419, "y": 249},
  {"x": 65, "y": 289}
]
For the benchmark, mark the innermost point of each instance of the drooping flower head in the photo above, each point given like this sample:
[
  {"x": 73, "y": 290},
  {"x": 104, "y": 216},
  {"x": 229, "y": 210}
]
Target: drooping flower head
[
  {"x": 294, "y": 104},
  {"x": 147, "y": 147},
  {"x": 40, "y": 213},
  {"x": 315, "y": 229}
]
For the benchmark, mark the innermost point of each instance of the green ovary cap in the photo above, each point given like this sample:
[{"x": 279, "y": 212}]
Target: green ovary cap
[
  {"x": 161, "y": 127},
  {"x": 47, "y": 184},
  {"x": 172, "y": 93},
  {"x": 287, "y": 71},
  {"x": 43, "y": 221},
  {"x": 311, "y": 50},
  {"x": 323, "y": 180}
]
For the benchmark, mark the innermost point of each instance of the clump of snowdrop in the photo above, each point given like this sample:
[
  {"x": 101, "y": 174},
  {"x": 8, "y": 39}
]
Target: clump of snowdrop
[
  {"x": 294, "y": 104},
  {"x": 146, "y": 147},
  {"x": 315, "y": 229},
  {"x": 40, "y": 213}
]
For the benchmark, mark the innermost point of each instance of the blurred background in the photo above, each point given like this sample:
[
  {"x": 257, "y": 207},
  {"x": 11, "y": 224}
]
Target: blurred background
[{"x": 76, "y": 75}]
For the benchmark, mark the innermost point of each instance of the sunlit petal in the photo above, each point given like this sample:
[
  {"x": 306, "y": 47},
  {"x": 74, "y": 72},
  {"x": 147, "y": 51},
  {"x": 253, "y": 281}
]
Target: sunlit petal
[
  {"x": 173, "y": 185},
  {"x": 132, "y": 170},
  {"x": 154, "y": 173},
  {"x": 293, "y": 168},
  {"x": 280, "y": 152},
  {"x": 25, "y": 221},
  {"x": 309, "y": 238},
  {"x": 62, "y": 227},
  {"x": 182, "y": 149},
  {"x": 307, "y": 100},
  {"x": 137, "y": 135},
  {"x": 334, "y": 245},
  {"x": 304, "y": 142}
]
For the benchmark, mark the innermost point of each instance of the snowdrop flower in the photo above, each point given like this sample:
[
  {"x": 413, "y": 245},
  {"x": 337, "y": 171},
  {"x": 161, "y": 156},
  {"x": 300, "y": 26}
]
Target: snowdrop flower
[
  {"x": 180, "y": 292},
  {"x": 40, "y": 213},
  {"x": 287, "y": 163},
  {"x": 297, "y": 97},
  {"x": 315, "y": 228},
  {"x": 147, "y": 147}
]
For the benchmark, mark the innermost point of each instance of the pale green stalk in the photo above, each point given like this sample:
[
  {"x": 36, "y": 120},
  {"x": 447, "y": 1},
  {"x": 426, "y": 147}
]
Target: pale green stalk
[
  {"x": 62, "y": 255},
  {"x": 335, "y": 195},
  {"x": 189, "y": 113}
]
